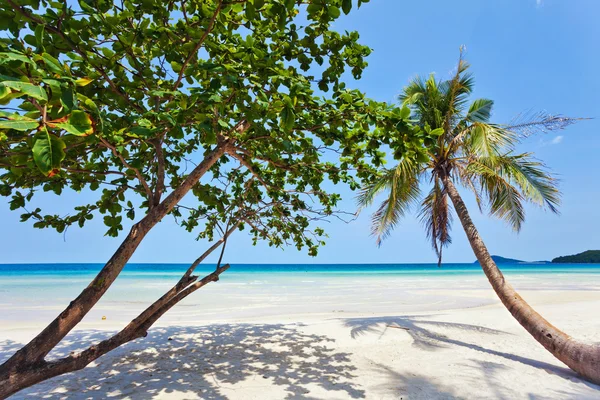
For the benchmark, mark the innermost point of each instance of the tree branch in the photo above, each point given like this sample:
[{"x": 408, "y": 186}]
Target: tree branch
[
  {"x": 160, "y": 173},
  {"x": 138, "y": 174},
  {"x": 249, "y": 167},
  {"x": 198, "y": 45}
]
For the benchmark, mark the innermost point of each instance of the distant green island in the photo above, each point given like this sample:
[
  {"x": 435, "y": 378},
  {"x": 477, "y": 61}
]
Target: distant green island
[{"x": 587, "y": 257}]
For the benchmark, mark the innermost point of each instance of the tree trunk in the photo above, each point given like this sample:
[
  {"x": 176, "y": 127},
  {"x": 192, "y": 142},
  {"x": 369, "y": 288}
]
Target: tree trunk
[
  {"x": 582, "y": 358},
  {"x": 32, "y": 355},
  {"x": 136, "y": 329}
]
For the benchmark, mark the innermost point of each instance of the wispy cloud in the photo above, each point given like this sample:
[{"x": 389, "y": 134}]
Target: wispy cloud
[
  {"x": 539, "y": 3},
  {"x": 556, "y": 140}
]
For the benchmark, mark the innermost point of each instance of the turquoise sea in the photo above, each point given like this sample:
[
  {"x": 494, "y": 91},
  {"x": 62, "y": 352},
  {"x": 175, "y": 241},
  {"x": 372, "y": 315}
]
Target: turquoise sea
[
  {"x": 162, "y": 271},
  {"x": 24, "y": 280},
  {"x": 36, "y": 292}
]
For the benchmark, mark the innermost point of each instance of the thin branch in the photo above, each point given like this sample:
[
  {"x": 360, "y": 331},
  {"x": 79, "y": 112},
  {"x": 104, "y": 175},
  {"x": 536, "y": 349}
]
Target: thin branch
[
  {"x": 143, "y": 182},
  {"x": 85, "y": 171},
  {"x": 215, "y": 245},
  {"x": 249, "y": 167},
  {"x": 198, "y": 45},
  {"x": 160, "y": 173},
  {"x": 224, "y": 245}
]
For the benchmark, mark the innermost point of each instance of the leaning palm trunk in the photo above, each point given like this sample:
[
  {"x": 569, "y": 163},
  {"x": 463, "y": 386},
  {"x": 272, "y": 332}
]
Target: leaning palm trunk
[
  {"x": 582, "y": 358},
  {"x": 462, "y": 145}
]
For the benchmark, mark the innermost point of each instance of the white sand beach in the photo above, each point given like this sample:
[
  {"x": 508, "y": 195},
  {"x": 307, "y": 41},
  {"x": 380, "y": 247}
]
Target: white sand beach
[{"x": 330, "y": 338}]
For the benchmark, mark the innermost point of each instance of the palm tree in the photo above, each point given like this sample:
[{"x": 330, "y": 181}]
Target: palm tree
[{"x": 480, "y": 156}]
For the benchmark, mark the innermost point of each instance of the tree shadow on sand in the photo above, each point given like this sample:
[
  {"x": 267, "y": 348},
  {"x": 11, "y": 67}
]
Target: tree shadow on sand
[
  {"x": 8, "y": 348},
  {"x": 413, "y": 386},
  {"x": 199, "y": 362},
  {"x": 421, "y": 331}
]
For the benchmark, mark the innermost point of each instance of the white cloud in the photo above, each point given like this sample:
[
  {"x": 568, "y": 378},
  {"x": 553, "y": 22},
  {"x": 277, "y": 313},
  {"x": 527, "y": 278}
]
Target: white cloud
[
  {"x": 539, "y": 2},
  {"x": 556, "y": 140}
]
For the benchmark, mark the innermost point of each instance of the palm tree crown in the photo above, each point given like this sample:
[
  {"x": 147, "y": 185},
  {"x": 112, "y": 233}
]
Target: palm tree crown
[{"x": 470, "y": 150}]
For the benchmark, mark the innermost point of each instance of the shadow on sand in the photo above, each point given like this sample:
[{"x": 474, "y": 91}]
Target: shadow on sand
[
  {"x": 421, "y": 331},
  {"x": 206, "y": 361},
  {"x": 198, "y": 362}
]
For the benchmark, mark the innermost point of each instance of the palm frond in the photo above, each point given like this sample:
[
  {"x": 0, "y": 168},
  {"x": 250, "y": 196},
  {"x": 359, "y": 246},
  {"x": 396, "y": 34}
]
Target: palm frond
[
  {"x": 486, "y": 140},
  {"x": 470, "y": 182},
  {"x": 480, "y": 111},
  {"x": 528, "y": 124},
  {"x": 456, "y": 92},
  {"x": 505, "y": 200},
  {"x": 507, "y": 204},
  {"x": 437, "y": 219},
  {"x": 413, "y": 91},
  {"x": 367, "y": 194},
  {"x": 426, "y": 99},
  {"x": 535, "y": 183},
  {"x": 402, "y": 183}
]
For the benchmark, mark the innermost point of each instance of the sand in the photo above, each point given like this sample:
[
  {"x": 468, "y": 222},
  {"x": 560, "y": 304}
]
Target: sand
[{"x": 334, "y": 340}]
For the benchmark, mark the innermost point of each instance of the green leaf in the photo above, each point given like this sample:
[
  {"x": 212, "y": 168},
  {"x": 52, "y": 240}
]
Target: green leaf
[
  {"x": 88, "y": 104},
  {"x": 39, "y": 36},
  {"x": 28, "y": 89},
  {"x": 67, "y": 99},
  {"x": 250, "y": 11},
  {"x": 19, "y": 125},
  {"x": 287, "y": 117},
  {"x": 333, "y": 12},
  {"x": 4, "y": 91},
  {"x": 15, "y": 57},
  {"x": 404, "y": 112},
  {"x": 53, "y": 64},
  {"x": 422, "y": 157},
  {"x": 48, "y": 152},
  {"x": 79, "y": 124},
  {"x": 210, "y": 137},
  {"x": 346, "y": 6},
  {"x": 141, "y": 131},
  {"x": 437, "y": 132}
]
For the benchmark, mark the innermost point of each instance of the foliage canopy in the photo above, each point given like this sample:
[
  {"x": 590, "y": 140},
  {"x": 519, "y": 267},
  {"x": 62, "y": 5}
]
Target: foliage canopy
[{"x": 125, "y": 98}]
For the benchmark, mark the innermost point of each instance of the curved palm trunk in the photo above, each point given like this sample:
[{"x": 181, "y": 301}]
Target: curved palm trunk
[{"x": 581, "y": 357}]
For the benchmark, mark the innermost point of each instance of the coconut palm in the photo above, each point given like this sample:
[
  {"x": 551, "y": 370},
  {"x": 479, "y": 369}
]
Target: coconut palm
[{"x": 480, "y": 156}]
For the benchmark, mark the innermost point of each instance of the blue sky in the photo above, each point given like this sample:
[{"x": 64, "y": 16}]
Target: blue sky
[{"x": 525, "y": 54}]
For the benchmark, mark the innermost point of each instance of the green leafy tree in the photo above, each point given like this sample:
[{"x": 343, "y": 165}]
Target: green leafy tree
[
  {"x": 218, "y": 113},
  {"x": 479, "y": 155}
]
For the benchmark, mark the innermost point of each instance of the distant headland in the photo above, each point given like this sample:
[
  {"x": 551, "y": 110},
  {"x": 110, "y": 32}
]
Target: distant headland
[{"x": 587, "y": 257}]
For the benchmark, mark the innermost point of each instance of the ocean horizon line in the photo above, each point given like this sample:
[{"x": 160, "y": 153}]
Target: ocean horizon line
[{"x": 270, "y": 263}]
